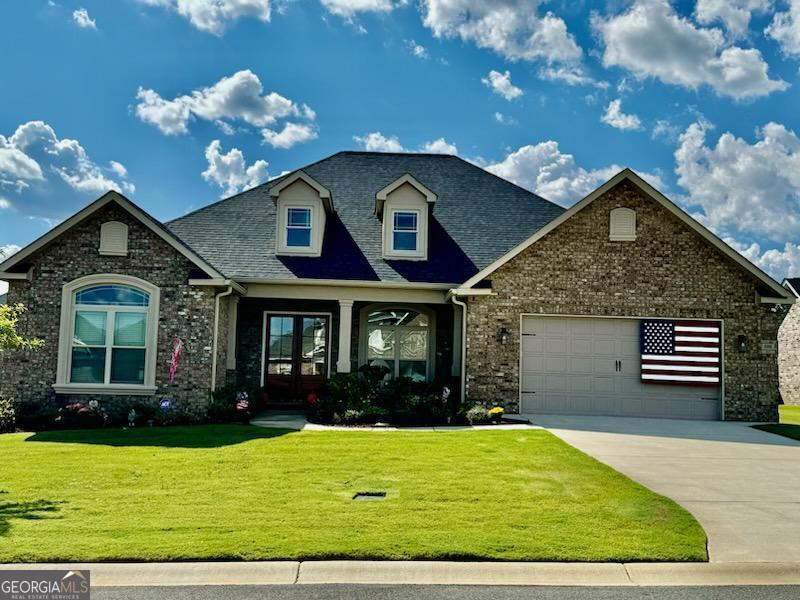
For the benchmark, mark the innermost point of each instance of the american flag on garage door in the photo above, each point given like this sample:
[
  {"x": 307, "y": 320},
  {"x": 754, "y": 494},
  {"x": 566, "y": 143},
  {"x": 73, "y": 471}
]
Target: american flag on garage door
[{"x": 680, "y": 352}]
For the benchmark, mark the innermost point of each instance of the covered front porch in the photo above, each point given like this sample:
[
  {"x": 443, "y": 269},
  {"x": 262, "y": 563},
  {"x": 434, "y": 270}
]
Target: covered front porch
[{"x": 288, "y": 340}]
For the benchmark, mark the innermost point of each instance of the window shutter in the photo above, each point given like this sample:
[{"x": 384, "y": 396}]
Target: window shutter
[{"x": 114, "y": 239}]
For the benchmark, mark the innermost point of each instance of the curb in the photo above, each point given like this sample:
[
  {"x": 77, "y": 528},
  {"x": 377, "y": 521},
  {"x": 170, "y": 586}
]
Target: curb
[{"x": 429, "y": 573}]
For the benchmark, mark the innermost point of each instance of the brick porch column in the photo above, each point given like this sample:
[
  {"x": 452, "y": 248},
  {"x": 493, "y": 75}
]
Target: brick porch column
[{"x": 345, "y": 333}]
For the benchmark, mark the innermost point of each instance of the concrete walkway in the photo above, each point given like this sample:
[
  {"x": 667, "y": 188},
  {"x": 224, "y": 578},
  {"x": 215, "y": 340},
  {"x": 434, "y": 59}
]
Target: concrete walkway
[
  {"x": 742, "y": 484},
  {"x": 430, "y": 573},
  {"x": 281, "y": 419}
]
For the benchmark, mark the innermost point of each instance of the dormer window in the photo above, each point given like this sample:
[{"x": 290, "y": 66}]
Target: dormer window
[
  {"x": 404, "y": 207},
  {"x": 302, "y": 205},
  {"x": 405, "y": 230},
  {"x": 298, "y": 227}
]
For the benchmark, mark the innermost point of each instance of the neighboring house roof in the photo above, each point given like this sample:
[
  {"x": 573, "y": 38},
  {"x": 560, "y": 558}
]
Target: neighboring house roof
[
  {"x": 477, "y": 217},
  {"x": 793, "y": 285},
  {"x": 653, "y": 193},
  {"x": 18, "y": 259}
]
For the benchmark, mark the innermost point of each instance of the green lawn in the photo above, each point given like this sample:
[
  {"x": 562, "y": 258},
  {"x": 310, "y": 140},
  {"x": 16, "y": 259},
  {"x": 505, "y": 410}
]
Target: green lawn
[
  {"x": 239, "y": 492},
  {"x": 789, "y": 425}
]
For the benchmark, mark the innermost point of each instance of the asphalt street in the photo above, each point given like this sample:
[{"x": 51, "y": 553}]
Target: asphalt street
[{"x": 437, "y": 592}]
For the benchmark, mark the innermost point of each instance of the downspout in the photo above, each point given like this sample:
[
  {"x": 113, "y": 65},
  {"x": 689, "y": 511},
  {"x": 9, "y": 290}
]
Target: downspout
[
  {"x": 463, "y": 373},
  {"x": 215, "y": 344}
]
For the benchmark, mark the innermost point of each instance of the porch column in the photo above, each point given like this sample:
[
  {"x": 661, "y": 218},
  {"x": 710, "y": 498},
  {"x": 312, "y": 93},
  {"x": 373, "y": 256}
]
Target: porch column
[{"x": 345, "y": 333}]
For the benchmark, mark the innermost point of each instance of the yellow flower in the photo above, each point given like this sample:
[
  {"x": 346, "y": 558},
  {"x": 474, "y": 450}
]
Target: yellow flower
[{"x": 497, "y": 410}]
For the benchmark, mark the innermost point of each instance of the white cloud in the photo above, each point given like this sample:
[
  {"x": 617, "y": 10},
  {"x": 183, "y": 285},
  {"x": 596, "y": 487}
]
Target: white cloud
[
  {"x": 417, "y": 50},
  {"x": 230, "y": 171},
  {"x": 571, "y": 75},
  {"x": 544, "y": 169},
  {"x": 291, "y": 134},
  {"x": 5, "y": 204},
  {"x": 238, "y": 97},
  {"x": 348, "y": 9},
  {"x": 618, "y": 119},
  {"x": 439, "y": 146},
  {"x": 500, "y": 83},
  {"x": 511, "y": 28},
  {"x": 38, "y": 143},
  {"x": 785, "y": 29},
  {"x": 651, "y": 40},
  {"x": 733, "y": 14},
  {"x": 664, "y": 129},
  {"x": 748, "y": 191},
  {"x": 377, "y": 142},
  {"x": 213, "y": 16},
  {"x": 81, "y": 17},
  {"x": 504, "y": 119},
  {"x": 779, "y": 263},
  {"x": 118, "y": 168}
]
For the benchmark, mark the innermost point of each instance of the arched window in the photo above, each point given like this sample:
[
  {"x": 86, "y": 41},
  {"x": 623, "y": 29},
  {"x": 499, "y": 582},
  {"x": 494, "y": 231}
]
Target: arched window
[
  {"x": 399, "y": 339},
  {"x": 108, "y": 335}
]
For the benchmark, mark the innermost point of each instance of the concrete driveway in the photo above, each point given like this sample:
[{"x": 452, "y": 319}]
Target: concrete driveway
[{"x": 743, "y": 485}]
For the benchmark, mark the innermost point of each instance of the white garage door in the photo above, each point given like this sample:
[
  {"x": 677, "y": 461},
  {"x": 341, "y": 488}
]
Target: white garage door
[{"x": 583, "y": 365}]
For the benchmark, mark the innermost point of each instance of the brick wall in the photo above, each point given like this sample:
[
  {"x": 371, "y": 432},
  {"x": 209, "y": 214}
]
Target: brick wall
[
  {"x": 789, "y": 356},
  {"x": 185, "y": 311},
  {"x": 669, "y": 271}
]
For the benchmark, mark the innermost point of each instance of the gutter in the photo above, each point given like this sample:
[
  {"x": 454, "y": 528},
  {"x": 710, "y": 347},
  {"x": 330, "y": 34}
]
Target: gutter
[{"x": 215, "y": 343}]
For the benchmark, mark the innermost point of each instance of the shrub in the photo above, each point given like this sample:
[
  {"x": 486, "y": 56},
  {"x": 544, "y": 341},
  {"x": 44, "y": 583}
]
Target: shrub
[
  {"x": 229, "y": 405},
  {"x": 7, "y": 420},
  {"x": 478, "y": 415},
  {"x": 82, "y": 415}
]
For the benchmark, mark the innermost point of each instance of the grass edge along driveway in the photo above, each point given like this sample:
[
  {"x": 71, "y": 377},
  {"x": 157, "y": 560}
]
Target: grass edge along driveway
[
  {"x": 789, "y": 425},
  {"x": 241, "y": 492}
]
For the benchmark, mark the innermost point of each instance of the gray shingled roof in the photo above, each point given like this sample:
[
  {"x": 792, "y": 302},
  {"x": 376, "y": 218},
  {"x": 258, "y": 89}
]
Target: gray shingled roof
[{"x": 476, "y": 219}]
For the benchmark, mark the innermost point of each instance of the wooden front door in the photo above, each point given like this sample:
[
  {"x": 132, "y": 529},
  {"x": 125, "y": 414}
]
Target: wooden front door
[{"x": 296, "y": 355}]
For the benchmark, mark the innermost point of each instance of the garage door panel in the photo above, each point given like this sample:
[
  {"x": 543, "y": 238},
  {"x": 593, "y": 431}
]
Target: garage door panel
[
  {"x": 533, "y": 362},
  {"x": 581, "y": 364},
  {"x": 604, "y": 347},
  {"x": 557, "y": 363},
  {"x": 581, "y": 346},
  {"x": 532, "y": 344},
  {"x": 555, "y": 345},
  {"x": 571, "y": 366}
]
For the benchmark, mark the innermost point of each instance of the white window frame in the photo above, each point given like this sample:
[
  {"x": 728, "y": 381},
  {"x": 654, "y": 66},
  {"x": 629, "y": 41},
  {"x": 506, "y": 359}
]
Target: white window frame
[
  {"x": 421, "y": 252},
  {"x": 289, "y": 226},
  {"x": 317, "y": 225},
  {"x": 415, "y": 231},
  {"x": 67, "y": 330}
]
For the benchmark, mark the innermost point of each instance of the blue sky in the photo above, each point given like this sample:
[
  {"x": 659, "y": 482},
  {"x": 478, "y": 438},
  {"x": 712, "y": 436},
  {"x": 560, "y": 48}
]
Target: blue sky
[{"x": 177, "y": 103}]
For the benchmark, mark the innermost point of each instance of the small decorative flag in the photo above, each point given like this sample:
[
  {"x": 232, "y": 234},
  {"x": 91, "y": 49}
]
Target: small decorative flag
[{"x": 175, "y": 359}]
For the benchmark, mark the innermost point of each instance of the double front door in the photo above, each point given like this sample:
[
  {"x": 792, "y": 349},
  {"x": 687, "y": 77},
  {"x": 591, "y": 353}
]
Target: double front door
[{"x": 295, "y": 354}]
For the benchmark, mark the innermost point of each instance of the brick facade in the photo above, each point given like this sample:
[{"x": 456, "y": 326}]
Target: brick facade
[
  {"x": 186, "y": 312},
  {"x": 669, "y": 271},
  {"x": 789, "y": 356}
]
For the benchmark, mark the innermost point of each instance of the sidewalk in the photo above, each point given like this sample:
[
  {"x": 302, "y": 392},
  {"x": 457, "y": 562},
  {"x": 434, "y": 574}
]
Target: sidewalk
[{"x": 431, "y": 573}]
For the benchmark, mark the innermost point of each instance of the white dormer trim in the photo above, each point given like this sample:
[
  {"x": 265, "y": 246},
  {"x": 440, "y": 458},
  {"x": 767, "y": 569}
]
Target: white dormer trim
[
  {"x": 303, "y": 198},
  {"x": 622, "y": 225},
  {"x": 113, "y": 239},
  {"x": 408, "y": 199},
  {"x": 381, "y": 196},
  {"x": 323, "y": 192}
]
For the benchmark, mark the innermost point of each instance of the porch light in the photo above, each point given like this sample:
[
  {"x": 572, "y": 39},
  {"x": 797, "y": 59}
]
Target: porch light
[
  {"x": 741, "y": 343},
  {"x": 503, "y": 335}
]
